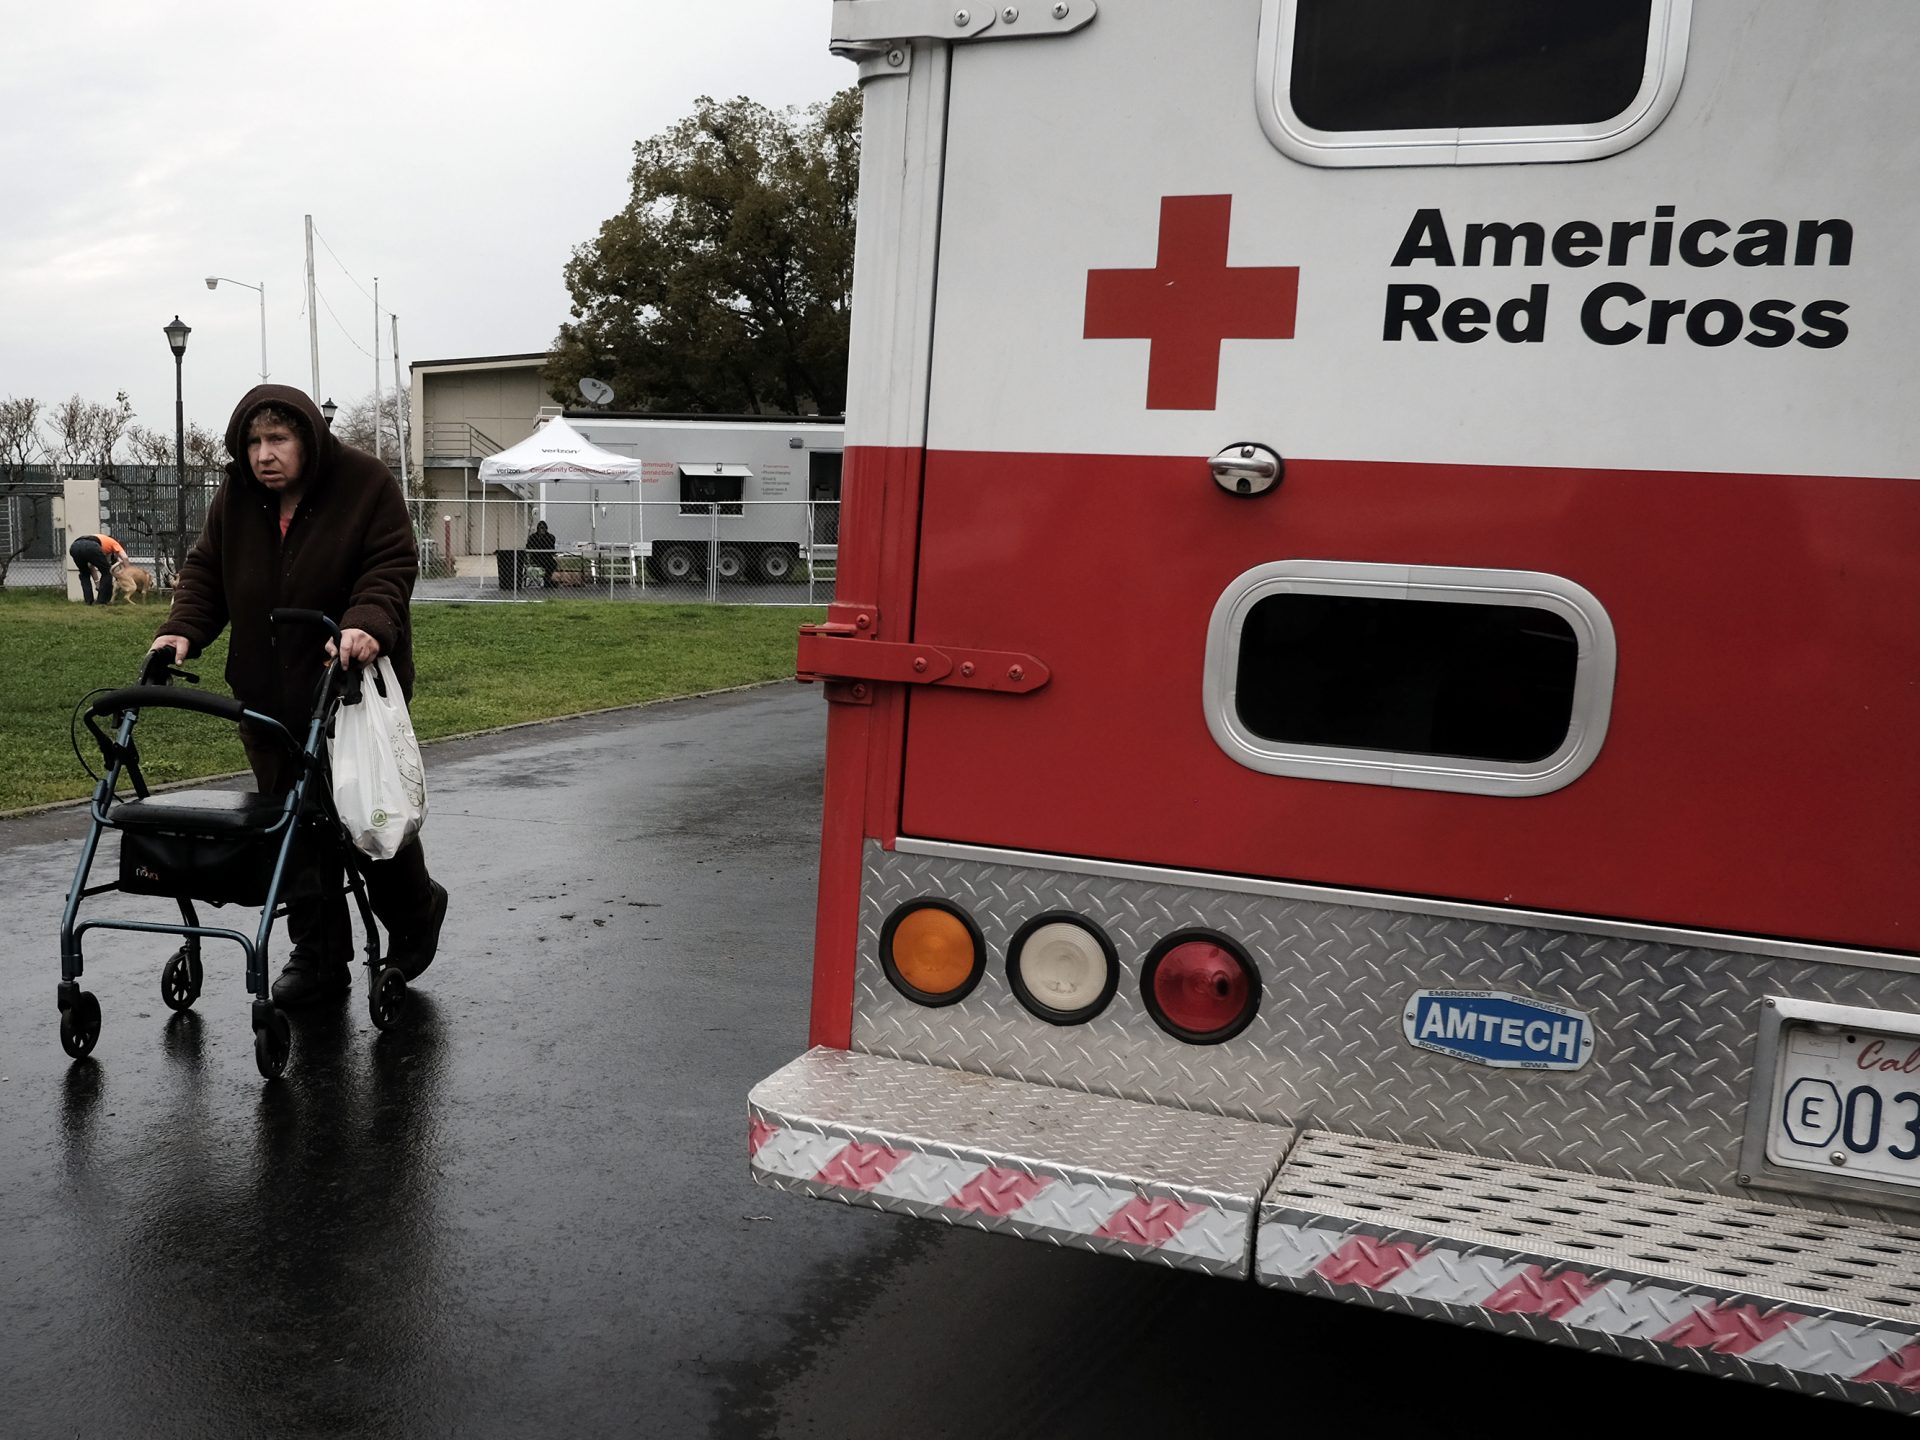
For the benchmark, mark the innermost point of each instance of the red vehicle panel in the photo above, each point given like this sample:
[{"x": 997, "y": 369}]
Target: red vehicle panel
[{"x": 1757, "y": 775}]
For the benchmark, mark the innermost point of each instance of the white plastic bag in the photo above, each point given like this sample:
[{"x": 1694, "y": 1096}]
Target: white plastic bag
[{"x": 379, "y": 784}]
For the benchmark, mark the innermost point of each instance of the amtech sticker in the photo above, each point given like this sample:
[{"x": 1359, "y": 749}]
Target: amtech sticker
[{"x": 1491, "y": 1027}]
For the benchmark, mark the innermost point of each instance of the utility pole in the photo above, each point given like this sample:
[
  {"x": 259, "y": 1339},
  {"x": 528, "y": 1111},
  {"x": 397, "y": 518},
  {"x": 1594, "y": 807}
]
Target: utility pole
[
  {"x": 377, "y": 409},
  {"x": 313, "y": 315},
  {"x": 399, "y": 410}
]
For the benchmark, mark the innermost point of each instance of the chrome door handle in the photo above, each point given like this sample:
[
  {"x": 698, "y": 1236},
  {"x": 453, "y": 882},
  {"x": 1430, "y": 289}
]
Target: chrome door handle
[{"x": 1247, "y": 469}]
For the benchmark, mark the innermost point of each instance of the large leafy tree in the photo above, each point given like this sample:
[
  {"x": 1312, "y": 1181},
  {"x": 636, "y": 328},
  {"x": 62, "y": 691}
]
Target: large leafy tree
[{"x": 724, "y": 283}]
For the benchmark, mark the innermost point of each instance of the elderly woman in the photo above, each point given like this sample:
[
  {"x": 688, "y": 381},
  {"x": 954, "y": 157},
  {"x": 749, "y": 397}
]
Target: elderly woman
[{"x": 305, "y": 522}]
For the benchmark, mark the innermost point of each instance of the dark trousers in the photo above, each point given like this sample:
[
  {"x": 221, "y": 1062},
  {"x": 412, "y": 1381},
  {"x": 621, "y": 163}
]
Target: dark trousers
[
  {"x": 88, "y": 555},
  {"x": 318, "y": 921}
]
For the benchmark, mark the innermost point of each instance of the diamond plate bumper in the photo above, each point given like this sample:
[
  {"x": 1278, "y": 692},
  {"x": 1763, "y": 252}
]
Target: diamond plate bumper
[
  {"x": 1029, "y": 1160},
  {"x": 1818, "y": 1303}
]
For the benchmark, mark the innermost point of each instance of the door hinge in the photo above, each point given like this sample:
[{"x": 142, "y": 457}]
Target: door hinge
[
  {"x": 863, "y": 28},
  {"x": 839, "y": 655}
]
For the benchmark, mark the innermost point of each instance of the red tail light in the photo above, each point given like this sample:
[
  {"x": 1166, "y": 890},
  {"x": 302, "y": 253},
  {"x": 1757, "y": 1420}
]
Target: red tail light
[{"x": 1200, "y": 987}]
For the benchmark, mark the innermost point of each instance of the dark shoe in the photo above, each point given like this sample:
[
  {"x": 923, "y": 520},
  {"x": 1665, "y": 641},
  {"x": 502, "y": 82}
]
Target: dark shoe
[
  {"x": 307, "y": 981},
  {"x": 414, "y": 953}
]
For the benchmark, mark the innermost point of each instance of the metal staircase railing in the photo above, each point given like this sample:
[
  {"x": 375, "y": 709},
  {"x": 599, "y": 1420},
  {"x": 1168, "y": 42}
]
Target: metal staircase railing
[{"x": 456, "y": 442}]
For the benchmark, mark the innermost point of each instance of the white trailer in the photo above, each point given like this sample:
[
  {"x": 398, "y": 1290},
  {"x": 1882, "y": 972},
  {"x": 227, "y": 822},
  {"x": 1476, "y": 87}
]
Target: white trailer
[{"x": 748, "y": 497}]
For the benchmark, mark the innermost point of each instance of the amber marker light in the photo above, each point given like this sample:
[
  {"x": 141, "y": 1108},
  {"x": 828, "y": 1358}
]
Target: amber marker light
[{"x": 932, "y": 952}]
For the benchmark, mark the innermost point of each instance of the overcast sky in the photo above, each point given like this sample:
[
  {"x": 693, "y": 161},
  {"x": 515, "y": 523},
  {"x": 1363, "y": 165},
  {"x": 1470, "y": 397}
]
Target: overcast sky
[{"x": 458, "y": 150}]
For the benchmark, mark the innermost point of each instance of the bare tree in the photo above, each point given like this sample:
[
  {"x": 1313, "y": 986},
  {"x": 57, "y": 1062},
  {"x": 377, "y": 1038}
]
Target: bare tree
[
  {"x": 354, "y": 425},
  {"x": 20, "y": 446},
  {"x": 20, "y": 443},
  {"x": 206, "y": 449},
  {"x": 105, "y": 425},
  {"x": 148, "y": 447},
  {"x": 70, "y": 426}
]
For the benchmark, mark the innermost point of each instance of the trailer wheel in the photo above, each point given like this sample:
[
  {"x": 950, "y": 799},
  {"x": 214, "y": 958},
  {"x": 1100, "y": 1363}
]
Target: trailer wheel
[
  {"x": 729, "y": 563},
  {"x": 776, "y": 563},
  {"x": 679, "y": 563}
]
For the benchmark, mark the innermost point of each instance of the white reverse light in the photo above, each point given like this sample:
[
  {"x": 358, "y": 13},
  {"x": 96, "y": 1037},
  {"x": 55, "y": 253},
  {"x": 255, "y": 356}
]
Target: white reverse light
[{"x": 1062, "y": 970}]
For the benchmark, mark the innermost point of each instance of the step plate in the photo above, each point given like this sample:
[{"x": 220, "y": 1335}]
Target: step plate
[
  {"x": 1790, "y": 1298},
  {"x": 1088, "y": 1171}
]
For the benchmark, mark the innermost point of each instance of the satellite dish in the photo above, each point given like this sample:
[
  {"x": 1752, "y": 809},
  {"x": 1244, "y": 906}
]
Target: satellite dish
[{"x": 598, "y": 392}]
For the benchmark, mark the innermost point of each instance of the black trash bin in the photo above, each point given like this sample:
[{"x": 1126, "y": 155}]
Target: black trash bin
[{"x": 509, "y": 567}]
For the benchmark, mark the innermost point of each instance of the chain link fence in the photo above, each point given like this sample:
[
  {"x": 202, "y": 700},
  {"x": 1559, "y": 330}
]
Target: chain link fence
[
  {"x": 31, "y": 547},
  {"x": 745, "y": 552},
  {"x": 146, "y": 509},
  {"x": 143, "y": 507}
]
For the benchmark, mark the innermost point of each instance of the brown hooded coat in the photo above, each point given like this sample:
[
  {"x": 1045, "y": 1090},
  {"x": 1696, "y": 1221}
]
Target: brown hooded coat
[{"x": 349, "y": 552}]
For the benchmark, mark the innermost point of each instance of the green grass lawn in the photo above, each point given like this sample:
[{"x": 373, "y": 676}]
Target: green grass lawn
[{"x": 479, "y": 666}]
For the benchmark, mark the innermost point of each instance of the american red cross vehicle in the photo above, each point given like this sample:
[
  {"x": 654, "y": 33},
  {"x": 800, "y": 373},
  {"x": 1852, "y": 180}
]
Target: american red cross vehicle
[{"x": 1373, "y": 687}]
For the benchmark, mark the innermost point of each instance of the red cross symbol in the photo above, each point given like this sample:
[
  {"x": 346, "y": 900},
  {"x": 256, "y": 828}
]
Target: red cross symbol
[{"x": 1191, "y": 301}]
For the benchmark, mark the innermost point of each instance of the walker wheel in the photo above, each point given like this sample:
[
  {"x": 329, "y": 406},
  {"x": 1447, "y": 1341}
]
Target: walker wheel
[
  {"x": 180, "y": 981},
  {"x": 387, "y": 998},
  {"x": 80, "y": 1025},
  {"x": 272, "y": 1044}
]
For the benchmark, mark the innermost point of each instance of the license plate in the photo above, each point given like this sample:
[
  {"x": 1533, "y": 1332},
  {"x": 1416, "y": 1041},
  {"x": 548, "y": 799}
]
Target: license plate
[{"x": 1846, "y": 1103}]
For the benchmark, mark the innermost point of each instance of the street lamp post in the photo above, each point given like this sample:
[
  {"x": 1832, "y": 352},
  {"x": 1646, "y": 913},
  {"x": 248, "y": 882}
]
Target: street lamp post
[
  {"x": 177, "y": 334},
  {"x": 329, "y": 410},
  {"x": 213, "y": 283}
]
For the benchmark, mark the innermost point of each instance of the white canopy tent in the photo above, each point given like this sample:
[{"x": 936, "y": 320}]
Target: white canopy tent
[{"x": 556, "y": 451}]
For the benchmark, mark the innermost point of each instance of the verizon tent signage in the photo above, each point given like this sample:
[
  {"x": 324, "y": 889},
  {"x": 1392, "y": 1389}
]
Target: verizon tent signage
[{"x": 1491, "y": 1027}]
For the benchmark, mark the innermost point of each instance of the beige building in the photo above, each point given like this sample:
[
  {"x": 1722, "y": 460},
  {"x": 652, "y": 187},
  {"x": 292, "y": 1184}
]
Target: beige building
[{"x": 465, "y": 411}]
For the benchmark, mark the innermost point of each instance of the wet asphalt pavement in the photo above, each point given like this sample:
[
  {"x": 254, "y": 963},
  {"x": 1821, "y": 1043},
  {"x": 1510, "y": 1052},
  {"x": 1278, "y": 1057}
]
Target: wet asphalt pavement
[{"x": 528, "y": 1212}]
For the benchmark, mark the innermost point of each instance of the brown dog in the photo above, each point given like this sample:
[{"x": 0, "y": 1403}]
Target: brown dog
[{"x": 130, "y": 582}]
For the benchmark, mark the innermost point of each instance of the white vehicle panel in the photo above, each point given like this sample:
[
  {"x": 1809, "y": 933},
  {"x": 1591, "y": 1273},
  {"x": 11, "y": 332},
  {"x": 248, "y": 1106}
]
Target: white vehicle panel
[{"x": 1034, "y": 200}]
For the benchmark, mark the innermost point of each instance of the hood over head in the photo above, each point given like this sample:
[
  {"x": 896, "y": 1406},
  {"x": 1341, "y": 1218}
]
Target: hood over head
[{"x": 322, "y": 449}]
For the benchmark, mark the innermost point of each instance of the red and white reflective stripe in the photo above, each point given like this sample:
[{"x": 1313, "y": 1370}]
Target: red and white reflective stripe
[
  {"x": 1757, "y": 1332},
  {"x": 993, "y": 1193}
]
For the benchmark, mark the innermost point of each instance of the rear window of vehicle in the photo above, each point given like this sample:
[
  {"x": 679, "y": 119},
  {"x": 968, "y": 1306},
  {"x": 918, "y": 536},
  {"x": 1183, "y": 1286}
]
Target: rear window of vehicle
[
  {"x": 1484, "y": 682},
  {"x": 1493, "y": 682},
  {"x": 1464, "y": 81}
]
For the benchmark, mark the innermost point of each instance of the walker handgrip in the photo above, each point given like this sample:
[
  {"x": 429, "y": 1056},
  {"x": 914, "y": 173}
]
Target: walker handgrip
[
  {"x": 161, "y": 697},
  {"x": 304, "y": 617}
]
